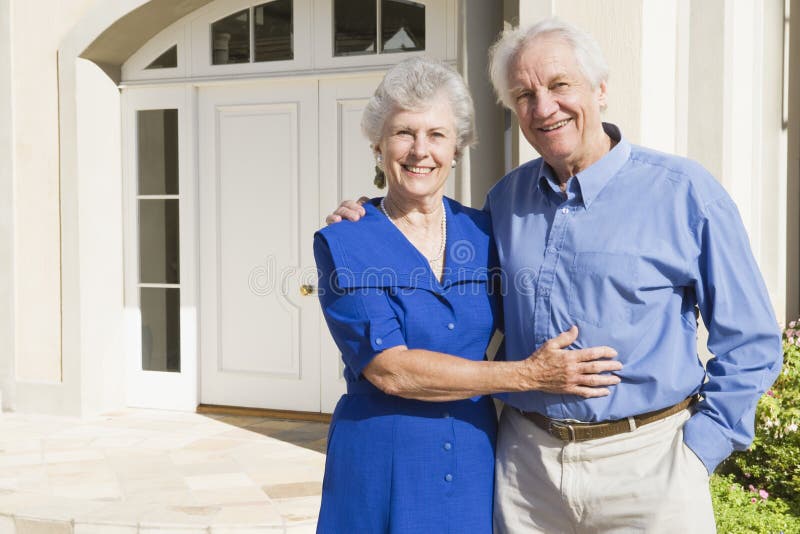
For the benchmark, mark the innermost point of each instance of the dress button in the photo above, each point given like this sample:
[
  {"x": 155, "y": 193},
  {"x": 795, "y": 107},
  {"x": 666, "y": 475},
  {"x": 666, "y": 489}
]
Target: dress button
[
  {"x": 450, "y": 326},
  {"x": 378, "y": 341},
  {"x": 448, "y": 477},
  {"x": 564, "y": 211},
  {"x": 448, "y": 445}
]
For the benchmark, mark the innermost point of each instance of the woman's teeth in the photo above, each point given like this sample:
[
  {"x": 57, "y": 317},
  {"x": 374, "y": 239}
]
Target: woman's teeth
[{"x": 417, "y": 170}]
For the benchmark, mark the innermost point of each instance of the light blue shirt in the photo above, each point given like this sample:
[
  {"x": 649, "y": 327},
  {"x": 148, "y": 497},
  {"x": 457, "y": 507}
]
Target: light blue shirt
[{"x": 637, "y": 241}]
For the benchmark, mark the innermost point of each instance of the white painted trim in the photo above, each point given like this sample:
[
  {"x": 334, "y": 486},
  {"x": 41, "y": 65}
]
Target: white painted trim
[
  {"x": 151, "y": 389},
  {"x": 136, "y": 66}
]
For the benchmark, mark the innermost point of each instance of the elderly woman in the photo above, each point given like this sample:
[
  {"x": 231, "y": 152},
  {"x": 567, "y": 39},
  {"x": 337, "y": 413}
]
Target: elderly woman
[{"x": 409, "y": 301}]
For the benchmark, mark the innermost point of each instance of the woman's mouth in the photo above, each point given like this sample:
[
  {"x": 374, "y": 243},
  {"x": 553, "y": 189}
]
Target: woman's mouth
[{"x": 417, "y": 170}]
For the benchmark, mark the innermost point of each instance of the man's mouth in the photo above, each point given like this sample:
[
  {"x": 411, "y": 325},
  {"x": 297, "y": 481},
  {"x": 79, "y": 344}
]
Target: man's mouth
[
  {"x": 555, "y": 126},
  {"x": 417, "y": 170}
]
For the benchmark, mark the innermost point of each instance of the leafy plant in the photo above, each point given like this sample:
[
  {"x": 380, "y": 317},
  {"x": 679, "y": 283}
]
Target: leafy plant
[
  {"x": 740, "y": 510},
  {"x": 760, "y": 487}
]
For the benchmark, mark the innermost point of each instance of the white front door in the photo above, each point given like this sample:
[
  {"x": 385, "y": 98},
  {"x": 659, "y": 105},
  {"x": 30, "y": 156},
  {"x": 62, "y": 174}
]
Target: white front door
[
  {"x": 274, "y": 158},
  {"x": 259, "y": 207}
]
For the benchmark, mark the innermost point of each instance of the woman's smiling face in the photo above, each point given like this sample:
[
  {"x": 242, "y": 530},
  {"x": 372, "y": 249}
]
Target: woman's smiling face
[{"x": 418, "y": 149}]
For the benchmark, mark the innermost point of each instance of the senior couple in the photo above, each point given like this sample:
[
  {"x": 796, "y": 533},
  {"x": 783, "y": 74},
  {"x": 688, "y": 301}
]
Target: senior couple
[{"x": 606, "y": 249}]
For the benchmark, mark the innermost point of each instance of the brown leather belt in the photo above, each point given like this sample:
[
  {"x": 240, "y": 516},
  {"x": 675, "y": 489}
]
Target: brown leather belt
[{"x": 573, "y": 431}]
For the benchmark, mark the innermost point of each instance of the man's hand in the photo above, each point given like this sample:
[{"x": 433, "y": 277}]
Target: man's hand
[
  {"x": 349, "y": 209},
  {"x": 554, "y": 369}
]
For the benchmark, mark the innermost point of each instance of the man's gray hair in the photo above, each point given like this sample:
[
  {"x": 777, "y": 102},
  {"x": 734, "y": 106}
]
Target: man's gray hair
[
  {"x": 411, "y": 85},
  {"x": 511, "y": 42}
]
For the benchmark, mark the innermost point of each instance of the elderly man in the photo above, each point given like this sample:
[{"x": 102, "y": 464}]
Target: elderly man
[{"x": 626, "y": 243}]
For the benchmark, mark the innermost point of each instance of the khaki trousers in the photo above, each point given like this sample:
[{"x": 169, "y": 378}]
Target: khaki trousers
[{"x": 642, "y": 481}]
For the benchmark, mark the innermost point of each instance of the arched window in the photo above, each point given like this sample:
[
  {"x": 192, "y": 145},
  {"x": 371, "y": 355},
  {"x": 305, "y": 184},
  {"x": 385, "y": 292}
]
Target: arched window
[{"x": 246, "y": 37}]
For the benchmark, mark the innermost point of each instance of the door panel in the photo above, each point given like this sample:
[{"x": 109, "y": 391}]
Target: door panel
[
  {"x": 347, "y": 164},
  {"x": 258, "y": 200}
]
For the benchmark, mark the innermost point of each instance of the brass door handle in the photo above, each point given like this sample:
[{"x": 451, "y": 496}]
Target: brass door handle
[{"x": 307, "y": 289}]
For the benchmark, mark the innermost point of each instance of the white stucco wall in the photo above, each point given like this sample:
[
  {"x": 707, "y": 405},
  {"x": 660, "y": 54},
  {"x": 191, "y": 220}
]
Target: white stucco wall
[{"x": 35, "y": 40}]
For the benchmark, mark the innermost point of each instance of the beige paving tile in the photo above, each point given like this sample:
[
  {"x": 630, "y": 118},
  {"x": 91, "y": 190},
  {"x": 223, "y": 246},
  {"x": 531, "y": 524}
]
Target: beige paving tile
[
  {"x": 231, "y": 496},
  {"x": 248, "y": 530},
  {"x": 249, "y": 515},
  {"x": 31, "y": 458},
  {"x": 293, "y": 489},
  {"x": 82, "y": 528},
  {"x": 218, "y": 481},
  {"x": 42, "y": 526},
  {"x": 298, "y": 510},
  {"x": 7, "y": 525},
  {"x": 302, "y": 528}
]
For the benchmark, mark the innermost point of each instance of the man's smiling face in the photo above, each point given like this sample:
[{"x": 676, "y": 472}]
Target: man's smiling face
[{"x": 557, "y": 107}]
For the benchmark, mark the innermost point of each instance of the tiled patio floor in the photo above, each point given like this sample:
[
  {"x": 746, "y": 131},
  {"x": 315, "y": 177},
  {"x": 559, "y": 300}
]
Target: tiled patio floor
[{"x": 148, "y": 472}]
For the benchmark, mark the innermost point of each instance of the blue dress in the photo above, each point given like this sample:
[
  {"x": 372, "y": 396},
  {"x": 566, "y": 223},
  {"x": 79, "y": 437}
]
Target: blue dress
[{"x": 399, "y": 465}]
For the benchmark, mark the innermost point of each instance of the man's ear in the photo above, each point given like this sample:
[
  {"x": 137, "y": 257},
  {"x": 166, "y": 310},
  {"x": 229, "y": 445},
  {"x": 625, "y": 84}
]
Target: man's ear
[{"x": 602, "y": 95}]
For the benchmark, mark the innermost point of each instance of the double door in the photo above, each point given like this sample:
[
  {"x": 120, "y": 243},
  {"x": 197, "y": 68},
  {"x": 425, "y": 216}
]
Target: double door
[{"x": 273, "y": 158}]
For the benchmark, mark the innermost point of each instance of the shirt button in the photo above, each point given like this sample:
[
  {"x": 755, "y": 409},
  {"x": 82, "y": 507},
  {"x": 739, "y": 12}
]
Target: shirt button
[
  {"x": 448, "y": 445},
  {"x": 450, "y": 326},
  {"x": 378, "y": 341},
  {"x": 545, "y": 292},
  {"x": 448, "y": 477},
  {"x": 564, "y": 211},
  {"x": 552, "y": 250}
]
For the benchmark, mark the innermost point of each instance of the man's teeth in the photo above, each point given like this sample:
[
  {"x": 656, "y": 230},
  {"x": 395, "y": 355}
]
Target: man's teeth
[
  {"x": 555, "y": 126},
  {"x": 418, "y": 170}
]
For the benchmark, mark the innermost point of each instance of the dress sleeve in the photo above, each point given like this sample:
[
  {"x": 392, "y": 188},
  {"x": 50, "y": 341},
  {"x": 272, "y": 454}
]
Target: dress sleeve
[
  {"x": 361, "y": 320},
  {"x": 743, "y": 336}
]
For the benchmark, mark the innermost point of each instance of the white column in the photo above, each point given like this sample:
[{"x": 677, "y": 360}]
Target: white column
[{"x": 6, "y": 211}]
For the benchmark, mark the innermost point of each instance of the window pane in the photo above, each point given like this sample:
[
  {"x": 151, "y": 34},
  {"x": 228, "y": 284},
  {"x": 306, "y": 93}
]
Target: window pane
[
  {"x": 158, "y": 241},
  {"x": 273, "y": 31},
  {"x": 161, "y": 328},
  {"x": 402, "y": 26},
  {"x": 354, "y": 31},
  {"x": 157, "y": 134},
  {"x": 167, "y": 60},
  {"x": 230, "y": 39}
]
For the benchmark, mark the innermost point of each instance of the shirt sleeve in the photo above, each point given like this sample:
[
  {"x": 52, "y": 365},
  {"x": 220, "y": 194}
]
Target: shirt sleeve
[
  {"x": 361, "y": 320},
  {"x": 743, "y": 336}
]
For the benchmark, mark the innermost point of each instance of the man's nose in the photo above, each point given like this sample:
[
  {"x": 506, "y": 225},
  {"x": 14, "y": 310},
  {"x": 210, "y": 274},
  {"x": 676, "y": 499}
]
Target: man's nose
[{"x": 545, "y": 105}]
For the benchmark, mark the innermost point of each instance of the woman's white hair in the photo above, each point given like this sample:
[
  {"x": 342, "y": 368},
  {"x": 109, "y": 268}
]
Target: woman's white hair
[
  {"x": 511, "y": 42},
  {"x": 411, "y": 85}
]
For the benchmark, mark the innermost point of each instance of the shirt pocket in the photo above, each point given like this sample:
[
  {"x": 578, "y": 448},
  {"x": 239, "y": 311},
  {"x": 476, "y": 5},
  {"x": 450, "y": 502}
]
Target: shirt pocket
[{"x": 603, "y": 288}]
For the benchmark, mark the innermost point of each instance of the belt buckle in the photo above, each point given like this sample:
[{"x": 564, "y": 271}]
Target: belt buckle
[{"x": 552, "y": 424}]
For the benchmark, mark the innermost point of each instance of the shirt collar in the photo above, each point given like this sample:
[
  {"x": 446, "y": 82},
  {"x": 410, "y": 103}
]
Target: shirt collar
[{"x": 588, "y": 183}]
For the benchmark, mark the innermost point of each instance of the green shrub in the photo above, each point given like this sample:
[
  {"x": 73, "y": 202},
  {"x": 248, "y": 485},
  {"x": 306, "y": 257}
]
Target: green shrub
[
  {"x": 741, "y": 510},
  {"x": 771, "y": 466},
  {"x": 773, "y": 461}
]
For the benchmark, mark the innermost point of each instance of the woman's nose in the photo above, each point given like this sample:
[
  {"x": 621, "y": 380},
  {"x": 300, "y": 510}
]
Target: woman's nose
[{"x": 420, "y": 146}]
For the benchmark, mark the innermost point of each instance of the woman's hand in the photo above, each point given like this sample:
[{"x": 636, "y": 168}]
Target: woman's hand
[
  {"x": 352, "y": 210},
  {"x": 555, "y": 369}
]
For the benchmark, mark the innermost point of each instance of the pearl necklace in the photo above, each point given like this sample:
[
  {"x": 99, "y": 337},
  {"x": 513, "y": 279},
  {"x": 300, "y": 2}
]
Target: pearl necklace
[{"x": 439, "y": 254}]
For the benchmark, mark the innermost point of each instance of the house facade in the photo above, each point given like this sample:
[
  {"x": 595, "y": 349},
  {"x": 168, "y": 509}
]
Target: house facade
[{"x": 164, "y": 164}]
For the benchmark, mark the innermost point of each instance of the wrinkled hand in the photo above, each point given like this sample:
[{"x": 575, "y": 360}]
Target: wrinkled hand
[
  {"x": 555, "y": 369},
  {"x": 351, "y": 210}
]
